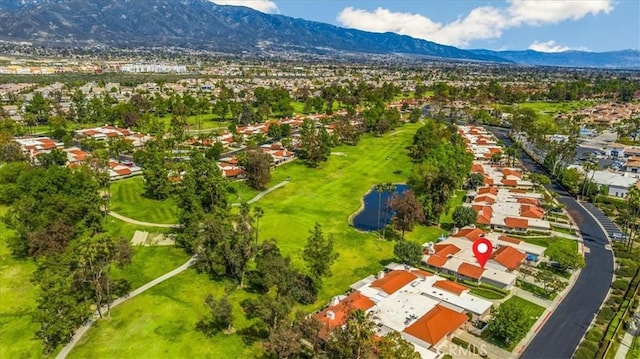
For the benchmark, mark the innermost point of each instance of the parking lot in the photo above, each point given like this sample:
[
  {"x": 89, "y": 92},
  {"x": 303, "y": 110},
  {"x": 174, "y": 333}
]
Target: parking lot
[{"x": 611, "y": 228}]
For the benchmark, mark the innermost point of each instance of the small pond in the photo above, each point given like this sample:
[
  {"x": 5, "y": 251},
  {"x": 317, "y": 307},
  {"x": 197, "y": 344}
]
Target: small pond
[{"x": 367, "y": 218}]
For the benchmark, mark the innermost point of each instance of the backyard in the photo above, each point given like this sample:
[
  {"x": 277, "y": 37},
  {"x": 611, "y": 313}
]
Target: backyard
[{"x": 528, "y": 310}]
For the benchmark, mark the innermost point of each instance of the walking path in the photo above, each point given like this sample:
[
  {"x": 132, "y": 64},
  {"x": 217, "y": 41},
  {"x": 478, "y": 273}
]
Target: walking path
[
  {"x": 627, "y": 340},
  {"x": 262, "y": 194},
  {"x": 166, "y": 225},
  {"x": 518, "y": 292},
  {"x": 80, "y": 332},
  {"x": 139, "y": 223}
]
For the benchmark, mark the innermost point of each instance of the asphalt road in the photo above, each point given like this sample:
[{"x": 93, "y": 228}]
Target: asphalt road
[{"x": 562, "y": 332}]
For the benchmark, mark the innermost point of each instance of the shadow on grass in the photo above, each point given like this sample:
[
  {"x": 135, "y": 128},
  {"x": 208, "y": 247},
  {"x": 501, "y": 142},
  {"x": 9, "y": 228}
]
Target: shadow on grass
[
  {"x": 446, "y": 226},
  {"x": 253, "y": 333},
  {"x": 387, "y": 261}
]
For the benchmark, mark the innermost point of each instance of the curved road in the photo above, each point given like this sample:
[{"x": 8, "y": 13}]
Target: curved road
[
  {"x": 80, "y": 332},
  {"x": 564, "y": 329}
]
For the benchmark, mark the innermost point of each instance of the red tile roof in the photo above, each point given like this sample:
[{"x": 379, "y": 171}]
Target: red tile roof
[
  {"x": 508, "y": 182},
  {"x": 353, "y": 301},
  {"x": 509, "y": 239},
  {"x": 531, "y": 201},
  {"x": 511, "y": 222},
  {"x": 484, "y": 215},
  {"x": 485, "y": 190},
  {"x": 123, "y": 171},
  {"x": 394, "y": 280},
  {"x": 450, "y": 286},
  {"x": 437, "y": 261},
  {"x": 470, "y": 270},
  {"x": 486, "y": 199},
  {"x": 508, "y": 257},
  {"x": 531, "y": 211},
  {"x": 470, "y": 233},
  {"x": 444, "y": 250},
  {"x": 436, "y": 324}
]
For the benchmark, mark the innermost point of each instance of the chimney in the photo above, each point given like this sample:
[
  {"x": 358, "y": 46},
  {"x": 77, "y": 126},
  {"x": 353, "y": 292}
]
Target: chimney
[
  {"x": 331, "y": 315},
  {"x": 430, "y": 248},
  {"x": 381, "y": 274},
  {"x": 455, "y": 230},
  {"x": 335, "y": 301}
]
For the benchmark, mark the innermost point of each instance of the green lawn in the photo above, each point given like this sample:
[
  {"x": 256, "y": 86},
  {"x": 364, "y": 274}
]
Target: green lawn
[
  {"x": 160, "y": 322},
  {"x": 209, "y": 122},
  {"x": 127, "y": 199},
  {"x": 149, "y": 263},
  {"x": 456, "y": 201},
  {"x": 553, "y": 243},
  {"x": 240, "y": 191},
  {"x": 17, "y": 302},
  {"x": 485, "y": 293}
]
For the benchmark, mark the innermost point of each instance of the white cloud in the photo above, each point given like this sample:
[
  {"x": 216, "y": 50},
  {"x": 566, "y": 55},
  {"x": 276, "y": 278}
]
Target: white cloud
[
  {"x": 552, "y": 46},
  {"x": 536, "y": 12},
  {"x": 548, "y": 46},
  {"x": 267, "y": 6},
  {"x": 481, "y": 23}
]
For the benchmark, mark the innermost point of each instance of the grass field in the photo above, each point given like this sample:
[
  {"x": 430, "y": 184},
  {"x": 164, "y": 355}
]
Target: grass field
[
  {"x": 17, "y": 302},
  {"x": 127, "y": 199},
  {"x": 160, "y": 322},
  {"x": 209, "y": 122},
  {"x": 148, "y": 263},
  {"x": 447, "y": 218}
]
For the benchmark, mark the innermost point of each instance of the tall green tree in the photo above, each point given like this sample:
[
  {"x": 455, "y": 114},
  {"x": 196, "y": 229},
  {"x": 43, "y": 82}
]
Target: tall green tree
[
  {"x": 406, "y": 211},
  {"x": 220, "y": 316},
  {"x": 315, "y": 143},
  {"x": 96, "y": 255},
  {"x": 508, "y": 322},
  {"x": 464, "y": 216},
  {"x": 258, "y": 168},
  {"x": 408, "y": 252},
  {"x": 318, "y": 253}
]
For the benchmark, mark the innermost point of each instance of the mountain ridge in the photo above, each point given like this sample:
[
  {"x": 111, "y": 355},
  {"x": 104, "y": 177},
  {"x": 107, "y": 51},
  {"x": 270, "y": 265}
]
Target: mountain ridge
[{"x": 203, "y": 25}]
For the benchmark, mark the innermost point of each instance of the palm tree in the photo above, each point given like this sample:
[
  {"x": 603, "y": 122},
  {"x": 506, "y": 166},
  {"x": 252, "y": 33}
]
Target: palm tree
[
  {"x": 588, "y": 167},
  {"x": 379, "y": 188},
  {"x": 388, "y": 187},
  {"x": 258, "y": 213},
  {"x": 633, "y": 211}
]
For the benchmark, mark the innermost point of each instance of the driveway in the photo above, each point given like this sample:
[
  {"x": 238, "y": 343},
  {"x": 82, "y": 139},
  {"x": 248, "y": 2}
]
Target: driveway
[{"x": 562, "y": 333}]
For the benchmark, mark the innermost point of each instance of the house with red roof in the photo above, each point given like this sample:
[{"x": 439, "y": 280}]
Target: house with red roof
[{"x": 433, "y": 328}]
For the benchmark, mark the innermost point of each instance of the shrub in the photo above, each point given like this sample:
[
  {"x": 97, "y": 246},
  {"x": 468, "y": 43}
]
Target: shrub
[
  {"x": 606, "y": 313},
  {"x": 590, "y": 345},
  {"x": 594, "y": 335},
  {"x": 620, "y": 284},
  {"x": 614, "y": 301},
  {"x": 584, "y": 353},
  {"x": 625, "y": 271}
]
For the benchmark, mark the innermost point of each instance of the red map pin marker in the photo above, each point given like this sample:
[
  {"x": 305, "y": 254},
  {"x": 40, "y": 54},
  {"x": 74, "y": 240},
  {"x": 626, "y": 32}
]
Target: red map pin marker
[{"x": 482, "y": 250}]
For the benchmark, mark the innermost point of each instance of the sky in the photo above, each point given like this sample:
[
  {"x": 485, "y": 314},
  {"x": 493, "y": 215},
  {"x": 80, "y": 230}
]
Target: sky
[{"x": 542, "y": 25}]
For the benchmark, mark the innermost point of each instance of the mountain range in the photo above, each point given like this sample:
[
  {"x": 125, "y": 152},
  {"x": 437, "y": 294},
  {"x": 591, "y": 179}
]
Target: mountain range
[{"x": 203, "y": 25}]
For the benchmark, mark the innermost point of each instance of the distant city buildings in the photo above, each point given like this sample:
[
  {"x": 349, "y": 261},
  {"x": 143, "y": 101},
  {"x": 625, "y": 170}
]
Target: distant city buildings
[{"x": 158, "y": 68}]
